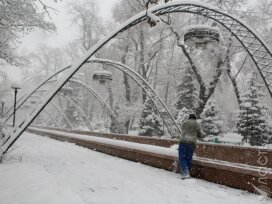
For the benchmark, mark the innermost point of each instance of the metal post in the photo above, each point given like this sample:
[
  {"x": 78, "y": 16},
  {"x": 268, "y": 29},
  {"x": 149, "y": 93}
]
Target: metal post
[{"x": 14, "y": 110}]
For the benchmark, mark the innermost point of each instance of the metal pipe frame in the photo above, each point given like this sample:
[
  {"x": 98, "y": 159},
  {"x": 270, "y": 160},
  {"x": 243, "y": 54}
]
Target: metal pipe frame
[
  {"x": 253, "y": 44},
  {"x": 79, "y": 110},
  {"x": 36, "y": 89},
  {"x": 52, "y": 118},
  {"x": 88, "y": 123},
  {"x": 58, "y": 109}
]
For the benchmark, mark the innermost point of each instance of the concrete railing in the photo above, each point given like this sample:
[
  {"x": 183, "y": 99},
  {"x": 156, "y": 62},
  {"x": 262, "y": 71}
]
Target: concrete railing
[{"x": 236, "y": 154}]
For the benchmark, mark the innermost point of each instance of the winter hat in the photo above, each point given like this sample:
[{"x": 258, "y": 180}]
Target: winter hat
[{"x": 192, "y": 116}]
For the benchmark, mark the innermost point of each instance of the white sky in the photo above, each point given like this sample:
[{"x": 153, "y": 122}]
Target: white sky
[{"x": 65, "y": 31}]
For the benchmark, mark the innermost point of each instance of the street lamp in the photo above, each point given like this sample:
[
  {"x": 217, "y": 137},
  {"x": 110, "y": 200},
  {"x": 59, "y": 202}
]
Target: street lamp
[
  {"x": 15, "y": 86},
  {"x": 3, "y": 101}
]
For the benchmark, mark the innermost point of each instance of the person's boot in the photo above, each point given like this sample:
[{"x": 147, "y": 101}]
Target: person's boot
[{"x": 185, "y": 176}]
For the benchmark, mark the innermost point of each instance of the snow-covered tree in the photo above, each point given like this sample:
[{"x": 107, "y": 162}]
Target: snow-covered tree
[
  {"x": 186, "y": 92},
  {"x": 73, "y": 94},
  {"x": 183, "y": 115},
  {"x": 251, "y": 123},
  {"x": 211, "y": 120},
  {"x": 116, "y": 126},
  {"x": 17, "y": 17},
  {"x": 150, "y": 122}
]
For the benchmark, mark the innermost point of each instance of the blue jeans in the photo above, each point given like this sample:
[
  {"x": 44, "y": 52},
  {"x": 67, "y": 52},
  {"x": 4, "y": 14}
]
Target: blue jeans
[{"x": 186, "y": 152}]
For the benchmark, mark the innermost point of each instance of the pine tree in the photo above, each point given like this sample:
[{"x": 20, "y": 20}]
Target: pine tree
[
  {"x": 251, "y": 122},
  {"x": 150, "y": 122},
  {"x": 211, "y": 121},
  {"x": 186, "y": 92}
]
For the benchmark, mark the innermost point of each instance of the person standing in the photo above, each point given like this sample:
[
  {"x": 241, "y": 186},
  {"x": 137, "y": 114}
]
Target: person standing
[{"x": 191, "y": 131}]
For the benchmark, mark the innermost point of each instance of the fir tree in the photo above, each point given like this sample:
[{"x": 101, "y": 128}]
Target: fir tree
[
  {"x": 251, "y": 122},
  {"x": 186, "y": 92},
  {"x": 150, "y": 122},
  {"x": 211, "y": 121}
]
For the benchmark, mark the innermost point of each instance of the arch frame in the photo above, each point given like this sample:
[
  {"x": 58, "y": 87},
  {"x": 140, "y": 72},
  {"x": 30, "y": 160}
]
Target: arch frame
[{"x": 177, "y": 6}]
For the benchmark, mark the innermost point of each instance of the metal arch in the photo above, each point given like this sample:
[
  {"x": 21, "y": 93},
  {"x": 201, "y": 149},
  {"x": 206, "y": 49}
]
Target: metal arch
[
  {"x": 58, "y": 109},
  {"x": 168, "y": 119},
  {"x": 82, "y": 114},
  {"x": 161, "y": 107},
  {"x": 24, "y": 98},
  {"x": 49, "y": 115},
  {"x": 94, "y": 93},
  {"x": 88, "y": 88},
  {"x": 76, "y": 107},
  {"x": 35, "y": 89},
  {"x": 52, "y": 118},
  {"x": 63, "y": 115},
  {"x": 250, "y": 41},
  {"x": 255, "y": 47}
]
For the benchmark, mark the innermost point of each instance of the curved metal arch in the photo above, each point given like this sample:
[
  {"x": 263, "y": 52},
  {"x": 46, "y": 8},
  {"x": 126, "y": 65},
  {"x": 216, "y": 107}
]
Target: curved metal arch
[
  {"x": 95, "y": 94},
  {"x": 47, "y": 80},
  {"x": 26, "y": 96},
  {"x": 52, "y": 118},
  {"x": 58, "y": 109},
  {"x": 257, "y": 49},
  {"x": 161, "y": 107},
  {"x": 82, "y": 114},
  {"x": 168, "y": 119},
  {"x": 62, "y": 113},
  {"x": 49, "y": 115},
  {"x": 75, "y": 106}
]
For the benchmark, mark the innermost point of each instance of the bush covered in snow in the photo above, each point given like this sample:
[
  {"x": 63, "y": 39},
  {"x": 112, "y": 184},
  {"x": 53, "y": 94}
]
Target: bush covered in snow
[
  {"x": 150, "y": 122},
  {"x": 211, "y": 120}
]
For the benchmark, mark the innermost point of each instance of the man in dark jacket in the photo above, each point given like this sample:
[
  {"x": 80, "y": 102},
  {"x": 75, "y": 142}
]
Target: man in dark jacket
[{"x": 191, "y": 131}]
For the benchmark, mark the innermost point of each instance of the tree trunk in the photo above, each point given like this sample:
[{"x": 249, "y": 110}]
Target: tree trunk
[
  {"x": 142, "y": 60},
  {"x": 127, "y": 86}
]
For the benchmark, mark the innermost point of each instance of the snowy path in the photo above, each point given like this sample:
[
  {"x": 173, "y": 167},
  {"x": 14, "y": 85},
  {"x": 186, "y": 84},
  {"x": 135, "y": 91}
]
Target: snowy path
[{"x": 42, "y": 170}]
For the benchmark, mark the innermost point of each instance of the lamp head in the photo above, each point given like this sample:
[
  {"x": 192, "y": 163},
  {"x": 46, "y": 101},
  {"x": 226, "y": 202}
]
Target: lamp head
[{"x": 15, "y": 85}]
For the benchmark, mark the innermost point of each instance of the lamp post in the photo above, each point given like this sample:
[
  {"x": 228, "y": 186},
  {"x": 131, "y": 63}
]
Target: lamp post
[
  {"x": 3, "y": 101},
  {"x": 15, "y": 86}
]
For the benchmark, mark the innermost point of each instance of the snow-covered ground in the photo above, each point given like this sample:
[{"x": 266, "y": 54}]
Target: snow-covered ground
[{"x": 41, "y": 170}]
